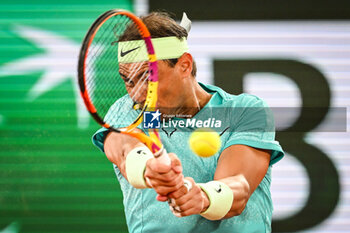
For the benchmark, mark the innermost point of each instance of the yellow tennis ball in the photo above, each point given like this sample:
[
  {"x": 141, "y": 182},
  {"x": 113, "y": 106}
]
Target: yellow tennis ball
[{"x": 205, "y": 142}]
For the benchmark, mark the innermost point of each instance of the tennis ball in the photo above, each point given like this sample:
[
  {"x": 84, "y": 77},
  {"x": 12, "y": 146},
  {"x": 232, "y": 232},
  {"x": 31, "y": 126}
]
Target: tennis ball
[{"x": 205, "y": 142}]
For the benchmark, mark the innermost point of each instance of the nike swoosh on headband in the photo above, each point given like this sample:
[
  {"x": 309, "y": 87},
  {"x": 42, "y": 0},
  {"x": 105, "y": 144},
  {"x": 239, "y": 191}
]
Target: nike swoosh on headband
[{"x": 122, "y": 54}]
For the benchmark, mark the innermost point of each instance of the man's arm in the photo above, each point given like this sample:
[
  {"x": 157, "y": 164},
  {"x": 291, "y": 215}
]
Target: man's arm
[
  {"x": 241, "y": 168},
  {"x": 117, "y": 146},
  {"x": 163, "y": 178}
]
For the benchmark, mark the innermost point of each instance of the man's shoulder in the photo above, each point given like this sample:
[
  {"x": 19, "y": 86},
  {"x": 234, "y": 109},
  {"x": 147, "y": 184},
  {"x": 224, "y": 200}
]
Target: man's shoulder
[
  {"x": 240, "y": 100},
  {"x": 248, "y": 100}
]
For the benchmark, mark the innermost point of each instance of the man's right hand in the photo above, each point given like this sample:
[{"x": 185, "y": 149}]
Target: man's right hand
[{"x": 164, "y": 179}]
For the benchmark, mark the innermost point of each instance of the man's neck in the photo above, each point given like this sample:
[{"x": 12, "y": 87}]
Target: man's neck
[{"x": 194, "y": 100}]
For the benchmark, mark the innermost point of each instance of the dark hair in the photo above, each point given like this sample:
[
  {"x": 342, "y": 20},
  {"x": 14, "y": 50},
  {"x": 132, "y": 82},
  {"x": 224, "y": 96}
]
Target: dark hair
[{"x": 159, "y": 24}]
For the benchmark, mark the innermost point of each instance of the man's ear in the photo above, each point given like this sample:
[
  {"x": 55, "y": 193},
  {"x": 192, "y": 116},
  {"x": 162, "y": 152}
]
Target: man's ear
[{"x": 185, "y": 64}]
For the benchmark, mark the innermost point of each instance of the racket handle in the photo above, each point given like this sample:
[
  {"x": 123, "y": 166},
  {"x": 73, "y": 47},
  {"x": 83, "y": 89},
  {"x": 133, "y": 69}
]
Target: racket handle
[{"x": 163, "y": 157}]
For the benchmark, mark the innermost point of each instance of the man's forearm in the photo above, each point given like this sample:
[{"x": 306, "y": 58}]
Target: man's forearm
[
  {"x": 117, "y": 146},
  {"x": 241, "y": 193},
  {"x": 217, "y": 194}
]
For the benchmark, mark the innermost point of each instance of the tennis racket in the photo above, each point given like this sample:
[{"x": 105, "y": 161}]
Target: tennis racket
[{"x": 117, "y": 71}]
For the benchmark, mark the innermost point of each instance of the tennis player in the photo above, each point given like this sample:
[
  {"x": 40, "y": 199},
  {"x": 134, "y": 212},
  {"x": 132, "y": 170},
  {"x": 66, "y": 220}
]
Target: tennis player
[{"x": 230, "y": 191}]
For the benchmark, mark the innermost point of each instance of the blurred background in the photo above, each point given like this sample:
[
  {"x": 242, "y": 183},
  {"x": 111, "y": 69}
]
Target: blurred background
[{"x": 295, "y": 55}]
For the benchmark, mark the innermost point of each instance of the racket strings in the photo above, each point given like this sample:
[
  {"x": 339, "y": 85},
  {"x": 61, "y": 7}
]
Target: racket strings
[
  {"x": 138, "y": 91},
  {"x": 104, "y": 84},
  {"x": 135, "y": 67},
  {"x": 99, "y": 44},
  {"x": 101, "y": 69}
]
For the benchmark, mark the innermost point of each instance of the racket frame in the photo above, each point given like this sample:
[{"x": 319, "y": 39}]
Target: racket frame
[{"x": 153, "y": 140}]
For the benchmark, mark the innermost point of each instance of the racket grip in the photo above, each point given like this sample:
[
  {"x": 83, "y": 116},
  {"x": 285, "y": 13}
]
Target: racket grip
[{"x": 164, "y": 157}]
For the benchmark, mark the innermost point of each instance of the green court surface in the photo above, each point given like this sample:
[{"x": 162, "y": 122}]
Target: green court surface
[{"x": 52, "y": 179}]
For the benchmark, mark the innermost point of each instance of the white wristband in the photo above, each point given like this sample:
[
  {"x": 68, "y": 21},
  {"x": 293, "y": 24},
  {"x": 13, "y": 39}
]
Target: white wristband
[
  {"x": 220, "y": 198},
  {"x": 135, "y": 166}
]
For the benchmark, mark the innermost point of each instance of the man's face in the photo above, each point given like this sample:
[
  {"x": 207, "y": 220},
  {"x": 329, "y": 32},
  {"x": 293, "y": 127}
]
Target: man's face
[
  {"x": 135, "y": 76},
  {"x": 170, "y": 87}
]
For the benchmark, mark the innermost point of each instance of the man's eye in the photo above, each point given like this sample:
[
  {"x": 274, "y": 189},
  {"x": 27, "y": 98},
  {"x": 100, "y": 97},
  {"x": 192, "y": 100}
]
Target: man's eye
[
  {"x": 126, "y": 80},
  {"x": 129, "y": 82},
  {"x": 143, "y": 76}
]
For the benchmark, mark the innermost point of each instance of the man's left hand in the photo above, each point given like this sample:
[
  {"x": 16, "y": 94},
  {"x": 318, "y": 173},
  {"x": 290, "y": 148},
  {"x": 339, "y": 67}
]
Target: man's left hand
[{"x": 184, "y": 202}]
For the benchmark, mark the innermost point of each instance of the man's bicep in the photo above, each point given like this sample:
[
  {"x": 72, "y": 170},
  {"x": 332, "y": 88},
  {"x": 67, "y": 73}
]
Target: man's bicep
[{"x": 243, "y": 160}]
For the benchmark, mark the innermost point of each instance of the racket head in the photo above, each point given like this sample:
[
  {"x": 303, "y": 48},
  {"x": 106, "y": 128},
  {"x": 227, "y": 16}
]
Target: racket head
[{"x": 113, "y": 74}]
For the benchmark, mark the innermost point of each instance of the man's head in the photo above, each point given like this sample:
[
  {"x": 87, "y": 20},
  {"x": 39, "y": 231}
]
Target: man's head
[
  {"x": 161, "y": 25},
  {"x": 176, "y": 67}
]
